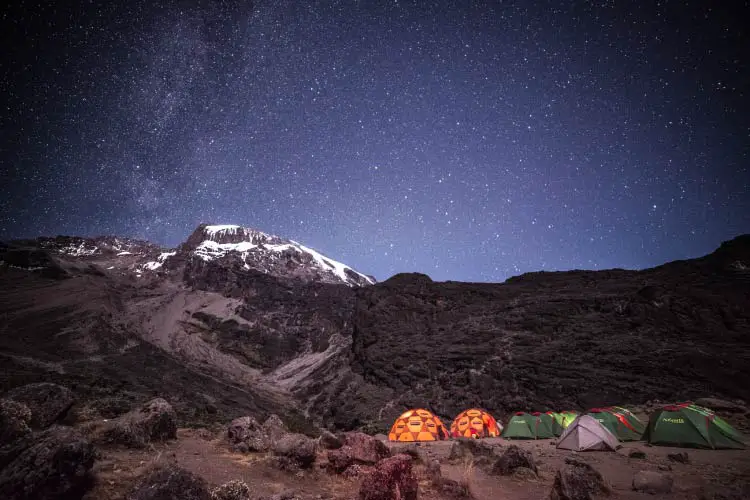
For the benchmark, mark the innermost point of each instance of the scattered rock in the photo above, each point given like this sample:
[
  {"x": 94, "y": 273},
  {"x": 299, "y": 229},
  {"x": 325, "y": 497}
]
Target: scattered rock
[
  {"x": 682, "y": 457},
  {"x": 474, "y": 449},
  {"x": 392, "y": 479},
  {"x": 524, "y": 474},
  {"x": 451, "y": 488},
  {"x": 664, "y": 467},
  {"x": 284, "y": 495},
  {"x": 233, "y": 490},
  {"x": 54, "y": 463},
  {"x": 511, "y": 459},
  {"x": 48, "y": 402},
  {"x": 170, "y": 483},
  {"x": 577, "y": 480},
  {"x": 652, "y": 482},
  {"x": 274, "y": 428},
  {"x": 156, "y": 420},
  {"x": 246, "y": 434},
  {"x": 720, "y": 405},
  {"x": 15, "y": 418},
  {"x": 329, "y": 441},
  {"x": 637, "y": 453},
  {"x": 365, "y": 449},
  {"x": 298, "y": 449}
]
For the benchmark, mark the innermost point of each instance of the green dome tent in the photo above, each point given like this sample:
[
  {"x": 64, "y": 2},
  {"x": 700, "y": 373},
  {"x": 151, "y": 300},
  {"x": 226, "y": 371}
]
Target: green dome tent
[
  {"x": 691, "y": 426},
  {"x": 564, "y": 418},
  {"x": 536, "y": 425},
  {"x": 618, "y": 423},
  {"x": 630, "y": 417}
]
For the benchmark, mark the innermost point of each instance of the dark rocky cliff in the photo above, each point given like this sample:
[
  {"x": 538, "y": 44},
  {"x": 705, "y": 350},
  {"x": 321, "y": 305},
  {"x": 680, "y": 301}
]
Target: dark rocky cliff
[{"x": 224, "y": 340}]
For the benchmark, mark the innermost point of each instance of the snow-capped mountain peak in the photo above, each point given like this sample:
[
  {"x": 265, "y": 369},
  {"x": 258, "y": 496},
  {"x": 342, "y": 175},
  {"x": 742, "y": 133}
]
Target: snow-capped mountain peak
[{"x": 270, "y": 254}]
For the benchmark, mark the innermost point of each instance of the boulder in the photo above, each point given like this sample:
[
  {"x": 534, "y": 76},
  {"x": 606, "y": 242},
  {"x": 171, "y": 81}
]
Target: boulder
[
  {"x": 637, "y": 453},
  {"x": 297, "y": 449},
  {"x": 48, "y": 402},
  {"x": 15, "y": 418},
  {"x": 246, "y": 434},
  {"x": 511, "y": 459},
  {"x": 524, "y": 474},
  {"x": 156, "y": 420},
  {"x": 392, "y": 479},
  {"x": 170, "y": 483},
  {"x": 577, "y": 480},
  {"x": 329, "y": 441},
  {"x": 339, "y": 460},
  {"x": 365, "y": 449},
  {"x": 274, "y": 428},
  {"x": 451, "y": 488},
  {"x": 233, "y": 490},
  {"x": 653, "y": 482},
  {"x": 52, "y": 464},
  {"x": 682, "y": 457},
  {"x": 474, "y": 449}
]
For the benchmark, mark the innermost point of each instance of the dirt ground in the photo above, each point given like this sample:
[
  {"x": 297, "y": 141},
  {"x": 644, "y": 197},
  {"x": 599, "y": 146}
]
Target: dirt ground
[
  {"x": 706, "y": 467},
  {"x": 208, "y": 456}
]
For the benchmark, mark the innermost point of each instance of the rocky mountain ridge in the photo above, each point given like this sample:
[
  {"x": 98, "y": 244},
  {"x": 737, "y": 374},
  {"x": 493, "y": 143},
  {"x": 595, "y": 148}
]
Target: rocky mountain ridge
[{"x": 224, "y": 336}]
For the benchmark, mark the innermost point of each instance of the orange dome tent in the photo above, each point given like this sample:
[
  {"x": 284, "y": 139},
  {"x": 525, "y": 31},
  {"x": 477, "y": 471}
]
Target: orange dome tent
[
  {"x": 475, "y": 423},
  {"x": 417, "y": 425}
]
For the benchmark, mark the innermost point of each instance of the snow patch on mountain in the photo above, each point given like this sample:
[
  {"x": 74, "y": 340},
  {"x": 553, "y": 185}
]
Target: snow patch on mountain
[
  {"x": 79, "y": 250},
  {"x": 154, "y": 265}
]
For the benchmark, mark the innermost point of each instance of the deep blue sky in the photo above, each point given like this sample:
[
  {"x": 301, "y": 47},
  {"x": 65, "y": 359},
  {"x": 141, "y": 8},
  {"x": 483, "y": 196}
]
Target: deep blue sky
[{"x": 468, "y": 143}]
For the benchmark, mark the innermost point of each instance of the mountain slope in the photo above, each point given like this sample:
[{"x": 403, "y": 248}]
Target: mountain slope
[{"x": 248, "y": 332}]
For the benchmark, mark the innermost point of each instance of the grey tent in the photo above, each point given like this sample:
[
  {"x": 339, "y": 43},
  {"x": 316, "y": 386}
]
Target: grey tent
[{"x": 585, "y": 433}]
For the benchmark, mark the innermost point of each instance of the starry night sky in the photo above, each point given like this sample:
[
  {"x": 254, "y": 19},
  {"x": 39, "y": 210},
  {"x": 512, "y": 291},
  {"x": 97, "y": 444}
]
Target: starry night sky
[{"x": 467, "y": 140}]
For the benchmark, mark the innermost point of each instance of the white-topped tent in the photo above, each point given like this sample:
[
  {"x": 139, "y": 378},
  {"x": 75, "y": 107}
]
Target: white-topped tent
[{"x": 585, "y": 433}]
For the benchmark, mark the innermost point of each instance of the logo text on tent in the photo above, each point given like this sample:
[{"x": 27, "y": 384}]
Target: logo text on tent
[{"x": 673, "y": 420}]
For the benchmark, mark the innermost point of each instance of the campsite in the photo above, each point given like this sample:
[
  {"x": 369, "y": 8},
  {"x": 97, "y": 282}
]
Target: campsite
[
  {"x": 348, "y": 465},
  {"x": 668, "y": 451}
]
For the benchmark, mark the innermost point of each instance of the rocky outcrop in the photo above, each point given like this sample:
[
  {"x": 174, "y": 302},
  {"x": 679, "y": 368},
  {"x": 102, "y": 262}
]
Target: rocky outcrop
[
  {"x": 577, "y": 480},
  {"x": 170, "y": 483},
  {"x": 273, "y": 428},
  {"x": 245, "y": 434},
  {"x": 365, "y": 449},
  {"x": 357, "y": 451},
  {"x": 14, "y": 420},
  {"x": 512, "y": 458},
  {"x": 52, "y": 464},
  {"x": 295, "y": 450},
  {"x": 392, "y": 479},
  {"x": 329, "y": 441},
  {"x": 48, "y": 402},
  {"x": 154, "y": 421}
]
